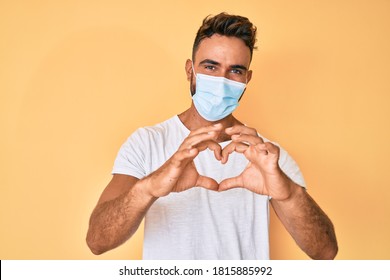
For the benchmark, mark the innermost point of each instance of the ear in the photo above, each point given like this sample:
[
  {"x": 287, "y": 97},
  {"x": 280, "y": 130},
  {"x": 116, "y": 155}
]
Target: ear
[
  {"x": 188, "y": 68},
  {"x": 249, "y": 76}
]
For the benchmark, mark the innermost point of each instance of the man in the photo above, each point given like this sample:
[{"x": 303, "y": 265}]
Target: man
[{"x": 203, "y": 180}]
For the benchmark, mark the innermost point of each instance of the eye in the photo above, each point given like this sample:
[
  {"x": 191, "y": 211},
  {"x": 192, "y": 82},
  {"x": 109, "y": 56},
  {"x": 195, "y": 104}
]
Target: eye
[
  {"x": 236, "y": 71},
  {"x": 210, "y": 67}
]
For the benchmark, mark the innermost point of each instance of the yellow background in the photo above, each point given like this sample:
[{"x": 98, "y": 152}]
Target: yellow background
[{"x": 77, "y": 77}]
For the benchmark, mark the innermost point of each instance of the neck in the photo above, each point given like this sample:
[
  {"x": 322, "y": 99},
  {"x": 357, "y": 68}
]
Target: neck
[{"x": 192, "y": 120}]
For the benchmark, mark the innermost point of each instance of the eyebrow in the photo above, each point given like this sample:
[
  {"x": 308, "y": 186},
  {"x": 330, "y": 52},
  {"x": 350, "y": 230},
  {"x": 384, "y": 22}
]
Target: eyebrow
[
  {"x": 213, "y": 62},
  {"x": 209, "y": 61},
  {"x": 239, "y": 66}
]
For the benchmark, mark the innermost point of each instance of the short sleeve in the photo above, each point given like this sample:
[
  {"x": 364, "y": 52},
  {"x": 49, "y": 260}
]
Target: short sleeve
[
  {"x": 131, "y": 156},
  {"x": 290, "y": 168}
]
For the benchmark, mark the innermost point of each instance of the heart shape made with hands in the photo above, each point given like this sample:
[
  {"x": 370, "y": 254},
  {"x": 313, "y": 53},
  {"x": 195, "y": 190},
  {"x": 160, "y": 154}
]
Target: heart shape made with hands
[
  {"x": 262, "y": 157},
  {"x": 222, "y": 154},
  {"x": 262, "y": 174}
]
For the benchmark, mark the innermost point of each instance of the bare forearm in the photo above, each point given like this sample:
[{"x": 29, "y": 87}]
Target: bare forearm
[
  {"x": 308, "y": 224},
  {"x": 115, "y": 221}
]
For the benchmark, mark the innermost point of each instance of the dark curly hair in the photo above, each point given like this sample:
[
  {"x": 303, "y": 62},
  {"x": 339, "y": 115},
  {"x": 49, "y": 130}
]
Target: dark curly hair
[{"x": 227, "y": 25}]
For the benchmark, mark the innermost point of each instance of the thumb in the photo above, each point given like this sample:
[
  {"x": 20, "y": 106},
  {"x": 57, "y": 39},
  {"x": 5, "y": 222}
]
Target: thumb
[
  {"x": 207, "y": 183},
  {"x": 230, "y": 183}
]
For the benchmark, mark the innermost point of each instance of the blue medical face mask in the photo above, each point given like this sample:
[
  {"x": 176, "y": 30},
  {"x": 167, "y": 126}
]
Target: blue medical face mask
[{"x": 216, "y": 97}]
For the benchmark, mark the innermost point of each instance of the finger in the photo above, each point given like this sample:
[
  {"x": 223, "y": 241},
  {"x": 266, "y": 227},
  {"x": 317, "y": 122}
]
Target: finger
[
  {"x": 227, "y": 151},
  {"x": 230, "y": 183},
  {"x": 260, "y": 148},
  {"x": 246, "y": 138},
  {"x": 194, "y": 140},
  {"x": 181, "y": 158},
  {"x": 207, "y": 183},
  {"x": 271, "y": 148},
  {"x": 240, "y": 129},
  {"x": 233, "y": 147},
  {"x": 213, "y": 146},
  {"x": 204, "y": 129},
  {"x": 266, "y": 148}
]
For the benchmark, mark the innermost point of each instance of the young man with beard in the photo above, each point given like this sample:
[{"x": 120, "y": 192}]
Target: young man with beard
[{"x": 203, "y": 180}]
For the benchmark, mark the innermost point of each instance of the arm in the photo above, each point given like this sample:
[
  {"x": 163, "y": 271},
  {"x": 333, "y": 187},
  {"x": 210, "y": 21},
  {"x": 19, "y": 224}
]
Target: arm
[
  {"x": 310, "y": 227},
  {"x": 119, "y": 212}
]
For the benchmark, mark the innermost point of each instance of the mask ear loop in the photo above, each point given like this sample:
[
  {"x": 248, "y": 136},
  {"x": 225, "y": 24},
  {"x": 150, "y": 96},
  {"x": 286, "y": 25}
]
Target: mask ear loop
[
  {"x": 193, "y": 68},
  {"x": 193, "y": 71}
]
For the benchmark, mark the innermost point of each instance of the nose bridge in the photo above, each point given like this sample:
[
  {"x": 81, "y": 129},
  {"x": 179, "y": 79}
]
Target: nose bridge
[{"x": 225, "y": 72}]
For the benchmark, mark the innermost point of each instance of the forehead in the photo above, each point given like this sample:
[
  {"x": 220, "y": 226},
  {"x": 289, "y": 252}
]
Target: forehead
[{"x": 223, "y": 49}]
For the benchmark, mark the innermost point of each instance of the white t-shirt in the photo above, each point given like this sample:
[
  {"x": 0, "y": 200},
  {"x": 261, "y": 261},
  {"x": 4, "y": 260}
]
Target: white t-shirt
[{"x": 198, "y": 223}]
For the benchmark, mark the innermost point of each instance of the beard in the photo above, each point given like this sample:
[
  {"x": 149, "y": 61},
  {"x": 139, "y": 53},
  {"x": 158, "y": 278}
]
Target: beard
[{"x": 192, "y": 85}]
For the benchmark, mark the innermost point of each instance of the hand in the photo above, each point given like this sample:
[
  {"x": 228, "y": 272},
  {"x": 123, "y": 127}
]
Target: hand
[
  {"x": 262, "y": 175},
  {"x": 179, "y": 173}
]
